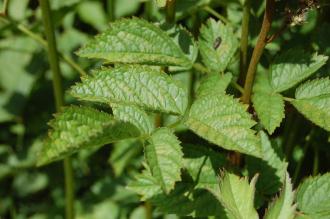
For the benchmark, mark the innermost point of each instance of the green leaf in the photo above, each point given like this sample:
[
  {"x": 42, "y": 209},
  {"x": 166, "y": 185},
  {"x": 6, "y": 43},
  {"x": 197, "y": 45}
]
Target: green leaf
[
  {"x": 268, "y": 104},
  {"x": 222, "y": 120},
  {"x": 313, "y": 101},
  {"x": 237, "y": 196},
  {"x": 271, "y": 167},
  {"x": 77, "y": 128},
  {"x": 165, "y": 158},
  {"x": 217, "y": 44},
  {"x": 292, "y": 67},
  {"x": 313, "y": 196},
  {"x": 141, "y": 86},
  {"x": 283, "y": 207},
  {"x": 133, "y": 115},
  {"x": 135, "y": 41},
  {"x": 203, "y": 165},
  {"x": 214, "y": 84}
]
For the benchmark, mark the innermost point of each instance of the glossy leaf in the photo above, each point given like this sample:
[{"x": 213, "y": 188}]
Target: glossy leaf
[
  {"x": 313, "y": 197},
  {"x": 78, "y": 128},
  {"x": 222, "y": 120},
  {"x": 165, "y": 158},
  {"x": 268, "y": 104},
  {"x": 141, "y": 86},
  {"x": 313, "y": 101},
  {"x": 217, "y": 44},
  {"x": 283, "y": 207},
  {"x": 292, "y": 67},
  {"x": 237, "y": 196},
  {"x": 135, "y": 41}
]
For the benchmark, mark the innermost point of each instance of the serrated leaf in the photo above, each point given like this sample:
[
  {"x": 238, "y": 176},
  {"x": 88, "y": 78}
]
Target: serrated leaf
[
  {"x": 135, "y": 41},
  {"x": 217, "y": 44},
  {"x": 222, "y": 120},
  {"x": 313, "y": 88},
  {"x": 292, "y": 67},
  {"x": 271, "y": 167},
  {"x": 283, "y": 207},
  {"x": 313, "y": 196},
  {"x": 268, "y": 104},
  {"x": 133, "y": 115},
  {"x": 214, "y": 84},
  {"x": 237, "y": 196},
  {"x": 203, "y": 165},
  {"x": 141, "y": 86},
  {"x": 165, "y": 158},
  {"x": 313, "y": 101},
  {"x": 78, "y": 128}
]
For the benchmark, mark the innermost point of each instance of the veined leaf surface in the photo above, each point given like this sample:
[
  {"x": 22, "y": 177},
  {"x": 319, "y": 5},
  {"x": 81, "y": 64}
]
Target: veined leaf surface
[
  {"x": 135, "y": 41},
  {"x": 141, "y": 86},
  {"x": 78, "y": 128},
  {"x": 222, "y": 120}
]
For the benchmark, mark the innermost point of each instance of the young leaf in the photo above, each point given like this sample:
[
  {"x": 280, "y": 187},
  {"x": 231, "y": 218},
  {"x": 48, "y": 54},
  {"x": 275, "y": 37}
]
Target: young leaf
[
  {"x": 214, "y": 84},
  {"x": 237, "y": 196},
  {"x": 222, "y": 120},
  {"x": 135, "y": 41},
  {"x": 134, "y": 115},
  {"x": 270, "y": 166},
  {"x": 141, "y": 86},
  {"x": 313, "y": 101},
  {"x": 268, "y": 104},
  {"x": 292, "y": 67},
  {"x": 313, "y": 197},
  {"x": 217, "y": 44},
  {"x": 78, "y": 128},
  {"x": 283, "y": 206},
  {"x": 165, "y": 158}
]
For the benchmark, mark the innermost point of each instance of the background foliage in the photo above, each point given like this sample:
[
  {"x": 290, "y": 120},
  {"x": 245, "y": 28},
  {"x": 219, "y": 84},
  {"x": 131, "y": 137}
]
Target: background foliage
[{"x": 107, "y": 178}]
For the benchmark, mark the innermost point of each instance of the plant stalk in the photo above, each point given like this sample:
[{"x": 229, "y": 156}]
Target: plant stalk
[
  {"x": 59, "y": 99},
  {"x": 170, "y": 11},
  {"x": 258, "y": 50},
  {"x": 111, "y": 10},
  {"x": 244, "y": 41}
]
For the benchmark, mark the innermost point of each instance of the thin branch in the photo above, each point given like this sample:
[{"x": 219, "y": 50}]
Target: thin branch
[
  {"x": 258, "y": 50},
  {"x": 216, "y": 14}
]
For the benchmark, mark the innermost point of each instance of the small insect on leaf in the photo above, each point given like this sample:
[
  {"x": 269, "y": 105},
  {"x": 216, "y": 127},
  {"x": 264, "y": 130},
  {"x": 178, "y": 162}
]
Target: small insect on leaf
[{"x": 217, "y": 43}]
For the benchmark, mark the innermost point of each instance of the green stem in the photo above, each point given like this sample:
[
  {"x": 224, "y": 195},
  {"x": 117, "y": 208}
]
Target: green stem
[
  {"x": 148, "y": 6},
  {"x": 111, "y": 10},
  {"x": 170, "y": 11},
  {"x": 44, "y": 44},
  {"x": 59, "y": 99},
  {"x": 258, "y": 50},
  {"x": 244, "y": 41},
  {"x": 216, "y": 14},
  {"x": 4, "y": 10},
  {"x": 316, "y": 161}
]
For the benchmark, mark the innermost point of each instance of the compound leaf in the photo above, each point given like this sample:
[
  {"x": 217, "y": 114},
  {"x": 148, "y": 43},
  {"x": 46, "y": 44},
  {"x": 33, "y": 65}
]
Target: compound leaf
[
  {"x": 292, "y": 67},
  {"x": 141, "y": 86},
  {"x": 222, "y": 120},
  {"x": 268, "y": 104},
  {"x": 134, "y": 115},
  {"x": 217, "y": 44},
  {"x": 313, "y": 101},
  {"x": 135, "y": 41},
  {"x": 165, "y": 158},
  {"x": 237, "y": 196},
  {"x": 78, "y": 128},
  {"x": 313, "y": 197},
  {"x": 283, "y": 207}
]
